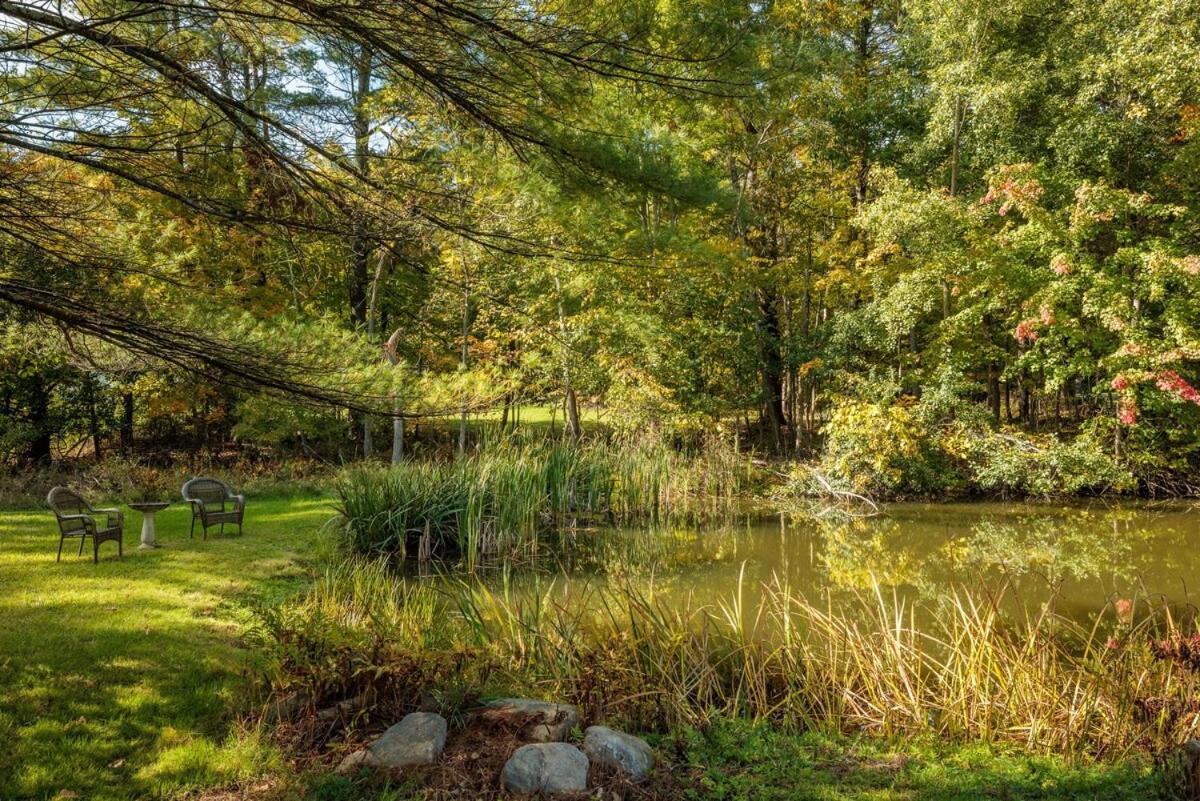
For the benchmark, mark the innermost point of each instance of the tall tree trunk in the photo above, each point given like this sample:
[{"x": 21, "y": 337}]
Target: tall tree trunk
[
  {"x": 391, "y": 350},
  {"x": 994, "y": 391},
  {"x": 94, "y": 419},
  {"x": 771, "y": 366},
  {"x": 127, "y": 424},
  {"x": 39, "y": 418}
]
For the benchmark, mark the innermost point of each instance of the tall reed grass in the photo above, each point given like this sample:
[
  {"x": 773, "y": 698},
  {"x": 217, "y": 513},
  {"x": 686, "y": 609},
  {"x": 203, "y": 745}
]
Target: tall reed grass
[
  {"x": 959, "y": 668},
  {"x": 515, "y": 496}
]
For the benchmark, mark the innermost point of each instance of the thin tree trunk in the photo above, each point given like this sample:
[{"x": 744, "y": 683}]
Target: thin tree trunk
[
  {"x": 94, "y": 419},
  {"x": 570, "y": 405},
  {"x": 39, "y": 418},
  {"x": 360, "y": 247},
  {"x": 397, "y": 436},
  {"x": 466, "y": 331}
]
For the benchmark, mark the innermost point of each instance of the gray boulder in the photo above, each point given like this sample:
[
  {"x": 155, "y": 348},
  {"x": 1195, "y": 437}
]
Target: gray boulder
[
  {"x": 546, "y": 768},
  {"x": 555, "y": 720},
  {"x": 418, "y": 739},
  {"x": 606, "y": 746}
]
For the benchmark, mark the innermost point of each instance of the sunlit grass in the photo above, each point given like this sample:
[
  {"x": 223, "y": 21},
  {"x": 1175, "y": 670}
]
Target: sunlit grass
[{"x": 120, "y": 680}]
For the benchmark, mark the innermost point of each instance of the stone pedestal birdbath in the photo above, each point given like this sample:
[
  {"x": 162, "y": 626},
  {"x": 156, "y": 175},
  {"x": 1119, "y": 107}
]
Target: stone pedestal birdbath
[{"x": 148, "y": 510}]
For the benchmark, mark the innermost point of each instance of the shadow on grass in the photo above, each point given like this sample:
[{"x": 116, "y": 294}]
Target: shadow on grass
[{"x": 120, "y": 680}]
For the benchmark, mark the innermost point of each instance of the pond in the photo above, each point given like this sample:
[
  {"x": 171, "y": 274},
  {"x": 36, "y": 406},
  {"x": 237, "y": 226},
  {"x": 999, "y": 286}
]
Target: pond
[{"x": 1080, "y": 556}]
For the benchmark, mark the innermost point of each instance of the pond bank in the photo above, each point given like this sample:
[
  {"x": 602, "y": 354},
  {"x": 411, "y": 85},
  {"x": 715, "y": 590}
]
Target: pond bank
[{"x": 130, "y": 679}]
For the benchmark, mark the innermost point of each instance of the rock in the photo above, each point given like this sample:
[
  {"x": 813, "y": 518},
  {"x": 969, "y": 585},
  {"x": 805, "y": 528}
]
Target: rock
[
  {"x": 418, "y": 739},
  {"x": 546, "y": 768},
  {"x": 606, "y": 746},
  {"x": 360, "y": 758},
  {"x": 341, "y": 711},
  {"x": 556, "y": 722},
  {"x": 1192, "y": 749},
  {"x": 1191, "y": 765}
]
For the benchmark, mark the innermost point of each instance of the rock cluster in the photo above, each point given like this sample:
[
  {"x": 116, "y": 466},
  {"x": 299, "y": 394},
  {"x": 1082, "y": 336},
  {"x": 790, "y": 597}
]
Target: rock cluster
[{"x": 545, "y": 764}]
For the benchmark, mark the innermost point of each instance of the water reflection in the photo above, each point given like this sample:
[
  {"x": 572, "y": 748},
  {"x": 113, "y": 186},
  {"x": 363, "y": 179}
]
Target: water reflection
[{"x": 1081, "y": 556}]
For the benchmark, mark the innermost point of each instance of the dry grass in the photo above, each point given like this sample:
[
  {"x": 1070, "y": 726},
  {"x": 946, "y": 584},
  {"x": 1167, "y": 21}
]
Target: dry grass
[{"x": 961, "y": 668}]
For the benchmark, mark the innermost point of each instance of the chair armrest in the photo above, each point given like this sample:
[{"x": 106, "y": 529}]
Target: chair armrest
[
  {"x": 239, "y": 502},
  {"x": 88, "y": 521},
  {"x": 115, "y": 516}
]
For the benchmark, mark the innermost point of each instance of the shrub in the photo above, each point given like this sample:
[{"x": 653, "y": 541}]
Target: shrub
[
  {"x": 904, "y": 448},
  {"x": 882, "y": 449},
  {"x": 1009, "y": 463}
]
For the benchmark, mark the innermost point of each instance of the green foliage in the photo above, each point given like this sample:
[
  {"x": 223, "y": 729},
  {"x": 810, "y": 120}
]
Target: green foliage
[
  {"x": 942, "y": 444},
  {"x": 882, "y": 449},
  {"x": 1021, "y": 465}
]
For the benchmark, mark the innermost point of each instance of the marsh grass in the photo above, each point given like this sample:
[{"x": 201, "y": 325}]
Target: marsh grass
[
  {"x": 517, "y": 496},
  {"x": 959, "y": 668}
]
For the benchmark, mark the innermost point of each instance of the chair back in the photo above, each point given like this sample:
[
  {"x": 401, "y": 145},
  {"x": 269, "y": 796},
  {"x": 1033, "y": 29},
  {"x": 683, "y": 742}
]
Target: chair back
[
  {"x": 208, "y": 491},
  {"x": 64, "y": 502}
]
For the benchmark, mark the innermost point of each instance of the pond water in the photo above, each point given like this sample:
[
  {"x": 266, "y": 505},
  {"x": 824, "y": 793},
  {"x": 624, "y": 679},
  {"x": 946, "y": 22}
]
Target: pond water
[{"x": 1081, "y": 556}]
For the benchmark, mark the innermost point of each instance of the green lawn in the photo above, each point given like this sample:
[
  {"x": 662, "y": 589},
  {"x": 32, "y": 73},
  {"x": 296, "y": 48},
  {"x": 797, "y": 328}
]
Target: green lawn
[
  {"x": 122, "y": 680},
  {"x": 118, "y": 680}
]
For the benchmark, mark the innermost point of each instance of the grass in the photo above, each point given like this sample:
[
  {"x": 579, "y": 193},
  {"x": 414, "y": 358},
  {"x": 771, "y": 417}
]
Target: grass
[
  {"x": 957, "y": 668},
  {"x": 520, "y": 493},
  {"x": 120, "y": 680},
  {"x": 736, "y": 761}
]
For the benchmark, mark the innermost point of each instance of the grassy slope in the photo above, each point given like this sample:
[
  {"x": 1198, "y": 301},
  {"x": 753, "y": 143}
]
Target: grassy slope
[{"x": 116, "y": 680}]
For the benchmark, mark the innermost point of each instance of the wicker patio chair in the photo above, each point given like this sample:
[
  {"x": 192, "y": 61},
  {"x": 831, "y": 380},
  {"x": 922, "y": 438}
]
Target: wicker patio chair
[
  {"x": 77, "y": 518},
  {"x": 213, "y": 503}
]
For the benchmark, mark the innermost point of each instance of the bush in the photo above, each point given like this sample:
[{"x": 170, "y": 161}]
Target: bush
[
  {"x": 1014, "y": 464},
  {"x": 883, "y": 450},
  {"x": 904, "y": 449}
]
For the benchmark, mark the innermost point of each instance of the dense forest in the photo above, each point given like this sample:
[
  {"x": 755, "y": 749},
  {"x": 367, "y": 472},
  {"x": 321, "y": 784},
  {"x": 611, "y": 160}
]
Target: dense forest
[{"x": 931, "y": 244}]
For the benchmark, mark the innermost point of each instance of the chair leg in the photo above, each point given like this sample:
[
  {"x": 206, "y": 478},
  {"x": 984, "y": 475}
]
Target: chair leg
[
  {"x": 192, "y": 533},
  {"x": 121, "y": 546},
  {"x": 222, "y": 531},
  {"x": 95, "y": 550},
  {"x": 61, "y": 540},
  {"x": 82, "y": 540}
]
